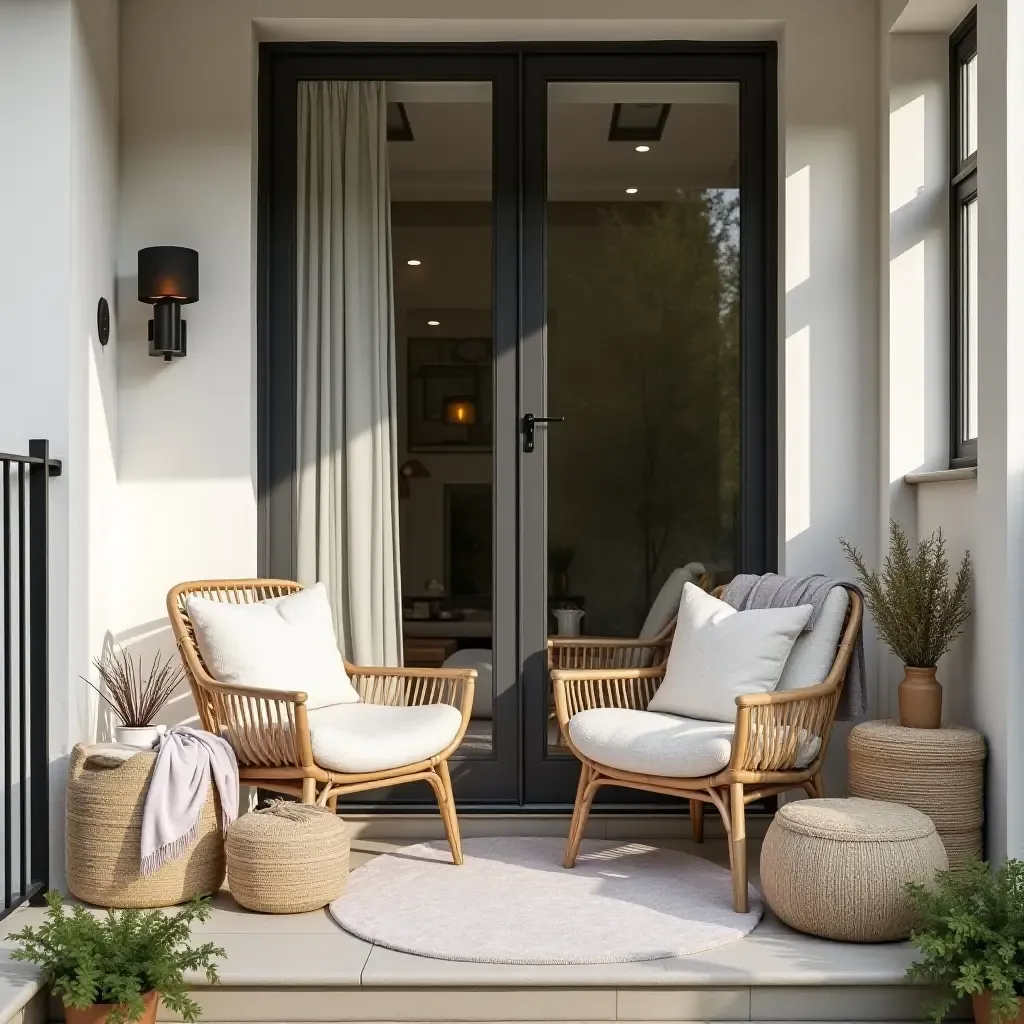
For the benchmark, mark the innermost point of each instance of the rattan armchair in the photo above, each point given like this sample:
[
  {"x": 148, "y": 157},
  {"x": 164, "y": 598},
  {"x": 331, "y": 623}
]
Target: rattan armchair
[
  {"x": 771, "y": 731},
  {"x": 269, "y": 729}
]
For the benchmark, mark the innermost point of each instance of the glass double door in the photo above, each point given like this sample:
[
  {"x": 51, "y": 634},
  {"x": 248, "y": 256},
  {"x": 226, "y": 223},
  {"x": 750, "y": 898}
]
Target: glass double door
[{"x": 584, "y": 322}]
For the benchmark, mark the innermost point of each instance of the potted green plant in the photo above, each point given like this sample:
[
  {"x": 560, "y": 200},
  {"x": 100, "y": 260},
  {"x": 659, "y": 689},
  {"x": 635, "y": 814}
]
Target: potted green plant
[
  {"x": 970, "y": 933},
  {"x": 115, "y": 969},
  {"x": 136, "y": 696},
  {"x": 919, "y": 614}
]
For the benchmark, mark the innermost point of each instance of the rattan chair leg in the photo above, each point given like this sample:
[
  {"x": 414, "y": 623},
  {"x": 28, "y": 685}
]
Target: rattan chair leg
[
  {"x": 581, "y": 812},
  {"x": 697, "y": 820},
  {"x": 738, "y": 845},
  {"x": 581, "y": 788},
  {"x": 449, "y": 815},
  {"x": 819, "y": 785},
  {"x": 308, "y": 790}
]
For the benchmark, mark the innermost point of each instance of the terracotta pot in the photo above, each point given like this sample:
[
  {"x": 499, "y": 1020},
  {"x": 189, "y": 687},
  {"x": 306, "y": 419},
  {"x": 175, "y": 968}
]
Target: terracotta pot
[
  {"x": 97, "y": 1013},
  {"x": 920, "y": 698},
  {"x": 983, "y": 1013}
]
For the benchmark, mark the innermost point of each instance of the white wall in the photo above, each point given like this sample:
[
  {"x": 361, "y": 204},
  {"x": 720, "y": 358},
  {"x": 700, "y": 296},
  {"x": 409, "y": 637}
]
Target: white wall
[
  {"x": 915, "y": 343},
  {"x": 58, "y": 101}
]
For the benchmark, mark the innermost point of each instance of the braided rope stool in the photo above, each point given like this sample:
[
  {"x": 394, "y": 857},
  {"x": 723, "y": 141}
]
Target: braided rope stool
[{"x": 937, "y": 771}]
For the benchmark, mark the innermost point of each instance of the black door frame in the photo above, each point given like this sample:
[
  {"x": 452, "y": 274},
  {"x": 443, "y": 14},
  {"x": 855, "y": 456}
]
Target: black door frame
[{"x": 519, "y": 97}]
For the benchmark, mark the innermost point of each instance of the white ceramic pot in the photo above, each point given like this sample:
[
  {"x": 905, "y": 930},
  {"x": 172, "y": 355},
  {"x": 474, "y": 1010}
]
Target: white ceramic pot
[
  {"x": 144, "y": 737},
  {"x": 568, "y": 620}
]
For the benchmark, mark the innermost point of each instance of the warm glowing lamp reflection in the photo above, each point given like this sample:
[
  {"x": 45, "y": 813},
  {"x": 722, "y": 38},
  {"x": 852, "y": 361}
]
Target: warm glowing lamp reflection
[{"x": 460, "y": 412}]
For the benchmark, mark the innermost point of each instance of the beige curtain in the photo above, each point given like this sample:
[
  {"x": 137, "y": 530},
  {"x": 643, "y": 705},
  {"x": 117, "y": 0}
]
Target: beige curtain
[{"x": 347, "y": 436}]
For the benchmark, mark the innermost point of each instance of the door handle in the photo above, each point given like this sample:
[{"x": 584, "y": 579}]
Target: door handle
[{"x": 529, "y": 424}]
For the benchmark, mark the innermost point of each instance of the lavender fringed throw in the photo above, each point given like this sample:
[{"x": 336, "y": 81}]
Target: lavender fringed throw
[
  {"x": 186, "y": 762},
  {"x": 773, "y": 591}
]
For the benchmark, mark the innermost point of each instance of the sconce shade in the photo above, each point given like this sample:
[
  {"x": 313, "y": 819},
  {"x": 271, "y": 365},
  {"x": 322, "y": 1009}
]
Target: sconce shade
[
  {"x": 168, "y": 272},
  {"x": 413, "y": 469},
  {"x": 460, "y": 412}
]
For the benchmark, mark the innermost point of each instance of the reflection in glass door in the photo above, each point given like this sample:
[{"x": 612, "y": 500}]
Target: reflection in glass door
[
  {"x": 636, "y": 361},
  {"x": 441, "y": 169}
]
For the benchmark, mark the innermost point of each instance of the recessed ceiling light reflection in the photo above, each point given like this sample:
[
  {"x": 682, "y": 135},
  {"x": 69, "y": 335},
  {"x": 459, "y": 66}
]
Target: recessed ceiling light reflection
[
  {"x": 413, "y": 263},
  {"x": 631, "y": 191},
  {"x": 433, "y": 323},
  {"x": 643, "y": 149}
]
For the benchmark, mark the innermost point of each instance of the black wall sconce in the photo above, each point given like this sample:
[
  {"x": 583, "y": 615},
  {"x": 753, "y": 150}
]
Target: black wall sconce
[{"x": 168, "y": 278}]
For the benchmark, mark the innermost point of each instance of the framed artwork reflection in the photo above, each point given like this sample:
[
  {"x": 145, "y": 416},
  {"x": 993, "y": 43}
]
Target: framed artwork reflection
[{"x": 450, "y": 394}]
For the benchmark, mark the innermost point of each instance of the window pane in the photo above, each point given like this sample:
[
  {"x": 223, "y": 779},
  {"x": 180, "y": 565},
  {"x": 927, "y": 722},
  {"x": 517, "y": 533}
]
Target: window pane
[
  {"x": 970, "y": 300},
  {"x": 969, "y": 106},
  {"x": 439, "y": 154},
  {"x": 643, "y": 351}
]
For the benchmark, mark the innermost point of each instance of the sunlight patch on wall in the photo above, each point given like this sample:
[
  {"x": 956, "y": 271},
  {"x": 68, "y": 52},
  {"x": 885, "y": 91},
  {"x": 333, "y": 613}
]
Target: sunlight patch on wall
[
  {"x": 798, "y": 227},
  {"x": 907, "y": 361},
  {"x": 906, "y": 153},
  {"x": 798, "y": 432}
]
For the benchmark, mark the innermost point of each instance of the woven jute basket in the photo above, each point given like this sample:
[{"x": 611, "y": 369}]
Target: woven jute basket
[
  {"x": 287, "y": 858},
  {"x": 105, "y": 799},
  {"x": 937, "y": 771},
  {"x": 838, "y": 868}
]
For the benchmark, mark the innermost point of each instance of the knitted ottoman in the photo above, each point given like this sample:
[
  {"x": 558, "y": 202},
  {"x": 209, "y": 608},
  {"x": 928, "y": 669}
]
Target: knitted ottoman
[
  {"x": 287, "y": 858},
  {"x": 106, "y": 794},
  {"x": 837, "y": 868}
]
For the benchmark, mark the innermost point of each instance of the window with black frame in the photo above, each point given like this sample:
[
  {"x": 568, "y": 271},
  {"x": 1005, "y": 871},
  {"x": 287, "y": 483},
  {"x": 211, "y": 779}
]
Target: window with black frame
[{"x": 963, "y": 145}]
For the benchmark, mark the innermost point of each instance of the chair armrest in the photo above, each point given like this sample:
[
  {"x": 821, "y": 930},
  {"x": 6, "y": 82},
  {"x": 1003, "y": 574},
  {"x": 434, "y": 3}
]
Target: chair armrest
[
  {"x": 784, "y": 731},
  {"x": 605, "y": 652},
  {"x": 579, "y": 690},
  {"x": 266, "y": 728},
  {"x": 410, "y": 686}
]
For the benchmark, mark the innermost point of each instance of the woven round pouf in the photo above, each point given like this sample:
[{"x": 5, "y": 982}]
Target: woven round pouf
[
  {"x": 106, "y": 794},
  {"x": 937, "y": 771},
  {"x": 287, "y": 858},
  {"x": 838, "y": 868}
]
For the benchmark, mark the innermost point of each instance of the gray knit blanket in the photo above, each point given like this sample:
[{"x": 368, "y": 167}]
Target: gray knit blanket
[
  {"x": 748, "y": 591},
  {"x": 188, "y": 760}
]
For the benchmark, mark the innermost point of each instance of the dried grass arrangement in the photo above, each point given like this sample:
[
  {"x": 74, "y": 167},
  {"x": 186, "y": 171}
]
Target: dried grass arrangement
[
  {"x": 134, "y": 695},
  {"x": 917, "y": 611}
]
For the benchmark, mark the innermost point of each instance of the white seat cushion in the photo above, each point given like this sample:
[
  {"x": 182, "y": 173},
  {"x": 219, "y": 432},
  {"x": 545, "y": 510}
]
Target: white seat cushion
[
  {"x": 652, "y": 744},
  {"x": 285, "y": 643},
  {"x": 374, "y": 737},
  {"x": 815, "y": 650},
  {"x": 719, "y": 654}
]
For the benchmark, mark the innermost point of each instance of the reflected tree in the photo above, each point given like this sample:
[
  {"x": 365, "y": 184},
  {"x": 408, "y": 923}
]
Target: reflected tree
[{"x": 644, "y": 359}]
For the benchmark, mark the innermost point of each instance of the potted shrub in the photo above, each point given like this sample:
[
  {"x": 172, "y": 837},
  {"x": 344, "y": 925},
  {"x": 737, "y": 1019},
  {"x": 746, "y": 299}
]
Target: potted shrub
[
  {"x": 971, "y": 936},
  {"x": 115, "y": 969},
  {"x": 918, "y": 614},
  {"x": 136, "y": 696}
]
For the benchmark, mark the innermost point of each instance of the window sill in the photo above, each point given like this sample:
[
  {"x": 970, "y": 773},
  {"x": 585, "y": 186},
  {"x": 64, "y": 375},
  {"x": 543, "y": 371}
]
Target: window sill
[{"x": 941, "y": 476}]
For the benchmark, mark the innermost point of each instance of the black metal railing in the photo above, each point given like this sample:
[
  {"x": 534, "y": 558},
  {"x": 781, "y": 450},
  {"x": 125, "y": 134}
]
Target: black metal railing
[{"x": 24, "y": 635}]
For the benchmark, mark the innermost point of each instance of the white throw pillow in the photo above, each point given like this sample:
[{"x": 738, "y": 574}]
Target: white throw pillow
[
  {"x": 285, "y": 643},
  {"x": 719, "y": 654}
]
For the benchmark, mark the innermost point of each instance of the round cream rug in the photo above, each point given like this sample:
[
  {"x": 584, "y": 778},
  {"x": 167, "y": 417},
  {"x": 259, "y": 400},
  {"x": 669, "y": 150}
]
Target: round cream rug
[{"x": 512, "y": 902}]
